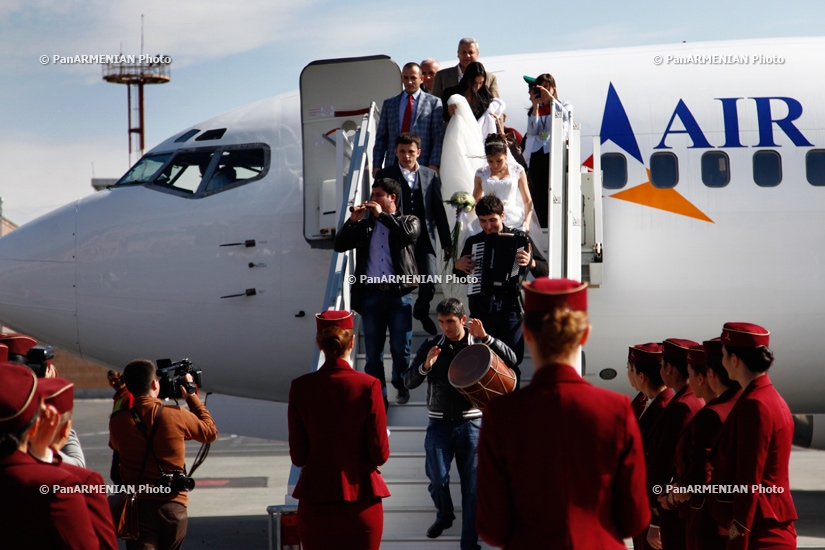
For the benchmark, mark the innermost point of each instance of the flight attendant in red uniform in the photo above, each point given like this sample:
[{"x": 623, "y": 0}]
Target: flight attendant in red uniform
[
  {"x": 646, "y": 361},
  {"x": 560, "y": 462},
  {"x": 338, "y": 436},
  {"x": 670, "y": 534},
  {"x": 639, "y": 403},
  {"x": 753, "y": 449},
  {"x": 709, "y": 381}
]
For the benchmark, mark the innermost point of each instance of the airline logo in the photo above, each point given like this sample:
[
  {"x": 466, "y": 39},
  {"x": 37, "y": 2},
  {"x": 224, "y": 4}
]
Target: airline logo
[{"x": 616, "y": 127}]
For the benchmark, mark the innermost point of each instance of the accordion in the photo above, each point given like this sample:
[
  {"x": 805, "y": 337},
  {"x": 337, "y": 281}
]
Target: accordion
[{"x": 496, "y": 268}]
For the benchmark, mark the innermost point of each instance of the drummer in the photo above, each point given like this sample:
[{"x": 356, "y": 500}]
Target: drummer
[{"x": 454, "y": 422}]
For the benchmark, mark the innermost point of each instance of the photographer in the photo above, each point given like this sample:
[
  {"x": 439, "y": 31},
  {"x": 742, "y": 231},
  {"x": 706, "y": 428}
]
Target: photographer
[{"x": 162, "y": 514}]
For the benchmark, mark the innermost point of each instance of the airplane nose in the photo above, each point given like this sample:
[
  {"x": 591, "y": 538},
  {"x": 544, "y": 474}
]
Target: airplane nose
[{"x": 37, "y": 279}]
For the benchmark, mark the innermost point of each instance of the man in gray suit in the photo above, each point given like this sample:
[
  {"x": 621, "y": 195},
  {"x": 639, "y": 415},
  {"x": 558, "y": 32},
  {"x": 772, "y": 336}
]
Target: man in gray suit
[
  {"x": 414, "y": 111},
  {"x": 421, "y": 196},
  {"x": 447, "y": 78}
]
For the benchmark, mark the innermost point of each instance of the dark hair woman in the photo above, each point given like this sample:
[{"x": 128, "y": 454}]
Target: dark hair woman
[
  {"x": 709, "y": 381},
  {"x": 506, "y": 179},
  {"x": 753, "y": 449},
  {"x": 590, "y": 435},
  {"x": 544, "y": 101},
  {"x": 472, "y": 86},
  {"x": 338, "y": 436}
]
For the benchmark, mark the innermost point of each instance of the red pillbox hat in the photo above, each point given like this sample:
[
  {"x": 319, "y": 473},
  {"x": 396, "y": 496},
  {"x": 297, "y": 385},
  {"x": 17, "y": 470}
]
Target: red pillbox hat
[
  {"x": 545, "y": 294},
  {"x": 19, "y": 344},
  {"x": 696, "y": 356},
  {"x": 745, "y": 335},
  {"x": 713, "y": 351},
  {"x": 58, "y": 392},
  {"x": 19, "y": 399},
  {"x": 645, "y": 354},
  {"x": 676, "y": 348},
  {"x": 333, "y": 318}
]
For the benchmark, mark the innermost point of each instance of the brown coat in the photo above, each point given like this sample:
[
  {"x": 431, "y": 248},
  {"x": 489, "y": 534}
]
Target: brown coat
[{"x": 176, "y": 426}]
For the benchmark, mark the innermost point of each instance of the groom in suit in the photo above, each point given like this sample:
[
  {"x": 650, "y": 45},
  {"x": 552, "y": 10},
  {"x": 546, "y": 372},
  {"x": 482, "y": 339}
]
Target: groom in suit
[
  {"x": 421, "y": 196},
  {"x": 414, "y": 111}
]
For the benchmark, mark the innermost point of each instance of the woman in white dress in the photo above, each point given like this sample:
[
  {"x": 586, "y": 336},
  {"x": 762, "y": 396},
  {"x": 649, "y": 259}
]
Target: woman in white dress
[{"x": 506, "y": 180}]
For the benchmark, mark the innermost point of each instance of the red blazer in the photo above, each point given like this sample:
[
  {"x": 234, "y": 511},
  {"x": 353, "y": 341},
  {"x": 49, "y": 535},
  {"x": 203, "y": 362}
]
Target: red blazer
[
  {"x": 560, "y": 465},
  {"x": 30, "y": 519},
  {"x": 338, "y": 434},
  {"x": 753, "y": 448},
  {"x": 662, "y": 451},
  {"x": 99, "y": 512},
  {"x": 650, "y": 416},
  {"x": 693, "y": 447},
  {"x": 639, "y": 403}
]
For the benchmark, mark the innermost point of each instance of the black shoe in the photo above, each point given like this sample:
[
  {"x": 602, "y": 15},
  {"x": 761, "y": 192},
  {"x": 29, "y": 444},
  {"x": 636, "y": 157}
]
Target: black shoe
[
  {"x": 403, "y": 396},
  {"x": 438, "y": 527},
  {"x": 426, "y": 321}
]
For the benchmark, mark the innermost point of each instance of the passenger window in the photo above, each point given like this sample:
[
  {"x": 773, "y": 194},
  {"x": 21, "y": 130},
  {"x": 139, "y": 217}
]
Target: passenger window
[
  {"x": 185, "y": 171},
  {"x": 815, "y": 167},
  {"x": 767, "y": 168},
  {"x": 236, "y": 167},
  {"x": 144, "y": 170},
  {"x": 614, "y": 170},
  {"x": 664, "y": 170},
  {"x": 715, "y": 169}
]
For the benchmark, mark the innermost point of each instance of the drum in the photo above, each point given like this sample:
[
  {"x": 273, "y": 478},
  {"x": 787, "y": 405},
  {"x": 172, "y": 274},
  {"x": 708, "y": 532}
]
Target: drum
[{"x": 480, "y": 375}]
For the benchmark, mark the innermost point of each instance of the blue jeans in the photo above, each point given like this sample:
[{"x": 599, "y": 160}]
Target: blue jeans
[
  {"x": 382, "y": 309},
  {"x": 446, "y": 439}
]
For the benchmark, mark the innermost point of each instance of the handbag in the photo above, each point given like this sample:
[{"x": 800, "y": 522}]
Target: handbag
[
  {"x": 125, "y": 514},
  {"x": 125, "y": 511}
]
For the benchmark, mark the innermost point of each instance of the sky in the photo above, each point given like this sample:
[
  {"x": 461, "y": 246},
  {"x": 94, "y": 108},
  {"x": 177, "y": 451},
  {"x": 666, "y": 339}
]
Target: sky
[{"x": 61, "y": 124}]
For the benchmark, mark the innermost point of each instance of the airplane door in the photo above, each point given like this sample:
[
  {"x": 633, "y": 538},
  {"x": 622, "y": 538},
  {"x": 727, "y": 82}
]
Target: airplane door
[{"x": 335, "y": 94}]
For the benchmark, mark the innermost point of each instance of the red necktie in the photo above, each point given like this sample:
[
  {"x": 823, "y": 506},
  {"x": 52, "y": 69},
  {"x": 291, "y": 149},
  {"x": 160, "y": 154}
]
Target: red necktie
[{"x": 405, "y": 125}]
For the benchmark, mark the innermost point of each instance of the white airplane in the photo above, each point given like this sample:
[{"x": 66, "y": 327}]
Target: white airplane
[{"x": 215, "y": 245}]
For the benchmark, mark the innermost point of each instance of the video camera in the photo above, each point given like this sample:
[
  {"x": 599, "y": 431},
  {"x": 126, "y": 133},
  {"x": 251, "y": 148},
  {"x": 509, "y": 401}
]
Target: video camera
[
  {"x": 37, "y": 359},
  {"x": 173, "y": 375}
]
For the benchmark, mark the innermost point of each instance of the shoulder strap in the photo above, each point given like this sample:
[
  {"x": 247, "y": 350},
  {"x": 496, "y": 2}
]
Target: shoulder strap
[{"x": 142, "y": 427}]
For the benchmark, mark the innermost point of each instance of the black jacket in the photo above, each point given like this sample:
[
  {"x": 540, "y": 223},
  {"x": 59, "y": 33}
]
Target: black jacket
[
  {"x": 443, "y": 400},
  {"x": 404, "y": 231}
]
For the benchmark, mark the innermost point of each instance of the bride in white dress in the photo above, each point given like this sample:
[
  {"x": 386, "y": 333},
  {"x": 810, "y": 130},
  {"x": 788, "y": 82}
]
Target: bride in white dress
[{"x": 507, "y": 180}]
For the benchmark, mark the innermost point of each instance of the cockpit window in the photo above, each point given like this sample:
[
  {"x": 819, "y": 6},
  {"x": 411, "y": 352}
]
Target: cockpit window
[
  {"x": 144, "y": 170},
  {"x": 197, "y": 173},
  {"x": 185, "y": 171},
  {"x": 235, "y": 166}
]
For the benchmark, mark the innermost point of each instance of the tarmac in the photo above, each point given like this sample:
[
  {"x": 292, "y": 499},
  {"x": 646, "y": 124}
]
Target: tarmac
[{"x": 242, "y": 476}]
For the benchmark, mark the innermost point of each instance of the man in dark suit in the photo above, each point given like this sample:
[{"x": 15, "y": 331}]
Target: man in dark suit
[
  {"x": 414, "y": 111},
  {"x": 560, "y": 462},
  {"x": 449, "y": 77},
  {"x": 421, "y": 196}
]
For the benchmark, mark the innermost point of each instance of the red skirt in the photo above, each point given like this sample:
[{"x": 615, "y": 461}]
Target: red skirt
[{"x": 341, "y": 525}]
